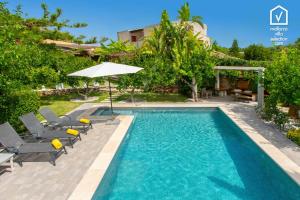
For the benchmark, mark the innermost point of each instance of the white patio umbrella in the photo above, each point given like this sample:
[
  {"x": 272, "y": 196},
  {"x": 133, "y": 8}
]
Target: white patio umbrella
[{"x": 106, "y": 69}]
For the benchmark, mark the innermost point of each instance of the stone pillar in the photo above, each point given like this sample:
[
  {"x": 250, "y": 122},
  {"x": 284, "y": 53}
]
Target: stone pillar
[
  {"x": 260, "y": 89},
  {"x": 217, "y": 86}
]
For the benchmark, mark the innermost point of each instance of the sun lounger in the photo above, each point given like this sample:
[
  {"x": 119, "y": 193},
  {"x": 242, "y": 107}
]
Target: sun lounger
[
  {"x": 4, "y": 157},
  {"x": 39, "y": 131},
  {"x": 65, "y": 121},
  {"x": 13, "y": 143}
]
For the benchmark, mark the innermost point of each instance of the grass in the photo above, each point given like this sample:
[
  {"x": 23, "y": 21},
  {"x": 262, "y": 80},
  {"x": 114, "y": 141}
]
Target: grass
[
  {"x": 60, "y": 107},
  {"x": 153, "y": 97},
  {"x": 62, "y": 104}
]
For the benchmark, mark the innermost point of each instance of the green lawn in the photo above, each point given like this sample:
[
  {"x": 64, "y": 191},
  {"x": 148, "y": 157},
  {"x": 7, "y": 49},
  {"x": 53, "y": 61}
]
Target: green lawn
[
  {"x": 153, "y": 97},
  {"x": 62, "y": 104}
]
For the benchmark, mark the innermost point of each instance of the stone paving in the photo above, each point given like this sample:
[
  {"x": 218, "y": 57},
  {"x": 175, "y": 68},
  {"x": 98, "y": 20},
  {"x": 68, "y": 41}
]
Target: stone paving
[
  {"x": 247, "y": 114},
  {"x": 40, "y": 180}
]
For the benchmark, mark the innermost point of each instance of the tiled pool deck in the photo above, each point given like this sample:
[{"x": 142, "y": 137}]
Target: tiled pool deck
[{"x": 40, "y": 180}]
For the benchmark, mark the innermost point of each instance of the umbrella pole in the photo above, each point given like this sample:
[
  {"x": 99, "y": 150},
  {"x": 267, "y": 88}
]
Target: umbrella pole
[{"x": 111, "y": 107}]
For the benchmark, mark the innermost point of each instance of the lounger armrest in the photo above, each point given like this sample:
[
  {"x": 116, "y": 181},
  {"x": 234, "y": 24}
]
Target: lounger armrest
[
  {"x": 44, "y": 123},
  {"x": 69, "y": 118},
  {"x": 52, "y": 124}
]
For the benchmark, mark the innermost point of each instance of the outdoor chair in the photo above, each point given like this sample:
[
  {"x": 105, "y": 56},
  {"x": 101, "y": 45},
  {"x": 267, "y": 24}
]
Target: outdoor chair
[
  {"x": 13, "y": 143},
  {"x": 206, "y": 93},
  {"x": 4, "y": 157},
  {"x": 40, "y": 132},
  {"x": 65, "y": 121}
]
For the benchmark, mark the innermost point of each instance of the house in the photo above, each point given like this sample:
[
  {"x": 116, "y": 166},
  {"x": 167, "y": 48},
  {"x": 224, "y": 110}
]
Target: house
[{"x": 136, "y": 36}]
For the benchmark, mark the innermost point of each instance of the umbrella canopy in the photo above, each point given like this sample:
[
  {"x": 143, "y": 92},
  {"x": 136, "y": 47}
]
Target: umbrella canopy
[{"x": 106, "y": 69}]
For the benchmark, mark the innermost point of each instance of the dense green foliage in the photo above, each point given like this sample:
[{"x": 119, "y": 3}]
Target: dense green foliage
[
  {"x": 180, "y": 52},
  {"x": 283, "y": 76},
  {"x": 257, "y": 52},
  {"x": 294, "y": 135},
  {"x": 26, "y": 63},
  {"x": 282, "y": 81}
]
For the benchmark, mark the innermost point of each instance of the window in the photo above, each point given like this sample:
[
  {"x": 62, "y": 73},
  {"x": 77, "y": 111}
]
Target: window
[{"x": 133, "y": 38}]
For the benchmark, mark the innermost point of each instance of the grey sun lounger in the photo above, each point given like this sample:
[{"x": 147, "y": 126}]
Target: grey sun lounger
[
  {"x": 13, "y": 143},
  {"x": 4, "y": 157},
  {"x": 65, "y": 121},
  {"x": 40, "y": 132}
]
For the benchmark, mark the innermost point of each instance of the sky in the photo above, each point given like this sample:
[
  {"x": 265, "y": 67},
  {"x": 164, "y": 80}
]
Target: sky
[{"x": 244, "y": 20}]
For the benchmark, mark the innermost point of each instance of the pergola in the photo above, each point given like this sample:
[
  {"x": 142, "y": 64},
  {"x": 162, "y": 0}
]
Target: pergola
[{"x": 260, "y": 85}]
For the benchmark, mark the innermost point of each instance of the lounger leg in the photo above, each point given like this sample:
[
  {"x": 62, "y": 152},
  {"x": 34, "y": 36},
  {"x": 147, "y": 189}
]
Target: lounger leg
[
  {"x": 65, "y": 150},
  {"x": 71, "y": 142},
  {"x": 52, "y": 158},
  {"x": 19, "y": 160},
  {"x": 85, "y": 128},
  {"x": 20, "y": 163},
  {"x": 79, "y": 136},
  {"x": 11, "y": 161}
]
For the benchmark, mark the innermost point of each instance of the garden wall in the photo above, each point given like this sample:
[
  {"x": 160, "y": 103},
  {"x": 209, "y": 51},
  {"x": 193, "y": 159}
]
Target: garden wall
[{"x": 65, "y": 91}]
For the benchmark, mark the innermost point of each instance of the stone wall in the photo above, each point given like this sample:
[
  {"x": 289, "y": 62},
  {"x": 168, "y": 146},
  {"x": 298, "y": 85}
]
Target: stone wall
[{"x": 65, "y": 91}]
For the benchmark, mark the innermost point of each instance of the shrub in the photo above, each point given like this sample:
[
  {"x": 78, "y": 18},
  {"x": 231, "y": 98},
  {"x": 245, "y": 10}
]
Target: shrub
[
  {"x": 272, "y": 113},
  {"x": 17, "y": 103},
  {"x": 280, "y": 119},
  {"x": 294, "y": 135}
]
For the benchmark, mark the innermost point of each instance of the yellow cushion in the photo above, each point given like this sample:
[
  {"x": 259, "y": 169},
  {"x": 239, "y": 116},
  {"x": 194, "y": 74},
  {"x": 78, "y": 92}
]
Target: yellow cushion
[
  {"x": 72, "y": 132},
  {"x": 56, "y": 144},
  {"x": 85, "y": 121}
]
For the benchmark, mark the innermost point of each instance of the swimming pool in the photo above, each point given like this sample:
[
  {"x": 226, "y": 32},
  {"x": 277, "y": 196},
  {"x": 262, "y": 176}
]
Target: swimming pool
[{"x": 191, "y": 153}]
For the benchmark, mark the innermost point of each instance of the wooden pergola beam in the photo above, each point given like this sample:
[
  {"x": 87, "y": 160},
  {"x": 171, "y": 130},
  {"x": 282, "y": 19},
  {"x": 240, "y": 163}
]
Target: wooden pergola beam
[{"x": 239, "y": 68}]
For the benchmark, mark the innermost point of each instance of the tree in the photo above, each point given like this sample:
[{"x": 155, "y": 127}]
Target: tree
[
  {"x": 26, "y": 63},
  {"x": 184, "y": 15},
  {"x": 182, "y": 54},
  {"x": 234, "y": 49},
  {"x": 160, "y": 47},
  {"x": 192, "y": 59},
  {"x": 283, "y": 77},
  {"x": 257, "y": 52},
  {"x": 92, "y": 40},
  {"x": 132, "y": 82},
  {"x": 49, "y": 26}
]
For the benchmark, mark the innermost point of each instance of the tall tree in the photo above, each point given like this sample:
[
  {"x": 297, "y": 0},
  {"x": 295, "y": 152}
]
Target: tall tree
[
  {"x": 234, "y": 49},
  {"x": 178, "y": 47},
  {"x": 184, "y": 14}
]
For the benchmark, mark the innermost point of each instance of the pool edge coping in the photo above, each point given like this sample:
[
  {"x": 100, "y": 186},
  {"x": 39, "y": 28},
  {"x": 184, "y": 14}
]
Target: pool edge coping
[{"x": 88, "y": 184}]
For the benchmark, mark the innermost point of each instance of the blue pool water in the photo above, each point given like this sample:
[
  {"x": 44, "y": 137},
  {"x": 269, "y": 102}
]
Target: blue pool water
[{"x": 191, "y": 154}]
